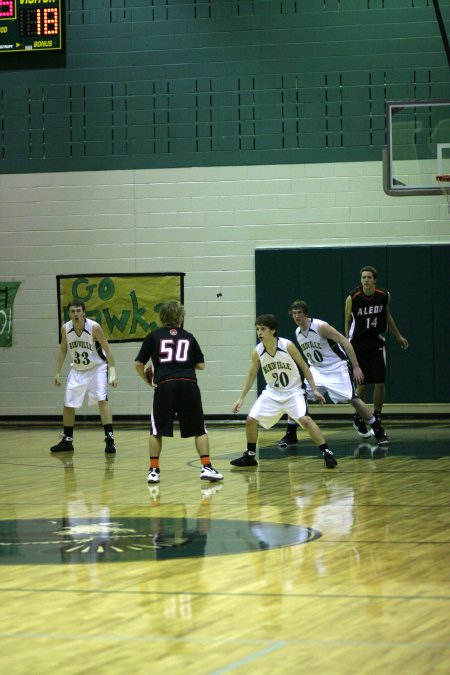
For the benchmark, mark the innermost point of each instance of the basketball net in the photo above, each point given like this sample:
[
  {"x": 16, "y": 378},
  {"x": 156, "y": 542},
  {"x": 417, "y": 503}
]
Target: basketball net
[{"x": 444, "y": 184}]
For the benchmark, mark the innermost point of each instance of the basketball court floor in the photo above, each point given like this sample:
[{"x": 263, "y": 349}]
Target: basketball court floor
[{"x": 286, "y": 568}]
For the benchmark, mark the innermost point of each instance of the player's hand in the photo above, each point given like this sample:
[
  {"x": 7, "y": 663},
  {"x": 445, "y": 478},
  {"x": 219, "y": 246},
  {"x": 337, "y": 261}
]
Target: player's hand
[
  {"x": 358, "y": 375},
  {"x": 57, "y": 381},
  {"x": 318, "y": 397},
  {"x": 112, "y": 377},
  {"x": 237, "y": 405},
  {"x": 403, "y": 342}
]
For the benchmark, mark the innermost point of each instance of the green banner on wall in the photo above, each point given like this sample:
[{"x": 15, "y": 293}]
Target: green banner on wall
[
  {"x": 8, "y": 290},
  {"x": 125, "y": 305}
]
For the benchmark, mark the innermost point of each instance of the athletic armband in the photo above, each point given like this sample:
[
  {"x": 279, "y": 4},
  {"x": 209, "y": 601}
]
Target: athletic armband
[{"x": 112, "y": 374}]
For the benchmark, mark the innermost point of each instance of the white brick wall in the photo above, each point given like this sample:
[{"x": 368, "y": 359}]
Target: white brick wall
[{"x": 205, "y": 222}]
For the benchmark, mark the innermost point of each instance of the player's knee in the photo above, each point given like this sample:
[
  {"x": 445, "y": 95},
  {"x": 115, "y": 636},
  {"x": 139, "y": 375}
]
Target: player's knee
[{"x": 305, "y": 421}]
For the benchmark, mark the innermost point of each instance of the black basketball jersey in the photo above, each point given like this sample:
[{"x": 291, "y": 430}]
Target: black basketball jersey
[
  {"x": 174, "y": 353},
  {"x": 368, "y": 313}
]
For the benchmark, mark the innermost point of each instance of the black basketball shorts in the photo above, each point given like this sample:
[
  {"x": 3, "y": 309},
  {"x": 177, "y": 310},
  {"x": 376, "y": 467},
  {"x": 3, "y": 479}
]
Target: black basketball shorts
[
  {"x": 371, "y": 355},
  {"x": 181, "y": 400}
]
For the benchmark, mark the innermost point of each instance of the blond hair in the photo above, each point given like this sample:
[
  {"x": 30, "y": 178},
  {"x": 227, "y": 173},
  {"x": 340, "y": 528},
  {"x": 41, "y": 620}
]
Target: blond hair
[{"x": 171, "y": 313}]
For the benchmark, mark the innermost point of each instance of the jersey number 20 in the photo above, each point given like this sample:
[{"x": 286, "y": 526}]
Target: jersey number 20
[{"x": 280, "y": 379}]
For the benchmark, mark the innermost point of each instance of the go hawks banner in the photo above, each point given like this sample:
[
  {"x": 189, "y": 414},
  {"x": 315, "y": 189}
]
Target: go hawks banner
[{"x": 125, "y": 305}]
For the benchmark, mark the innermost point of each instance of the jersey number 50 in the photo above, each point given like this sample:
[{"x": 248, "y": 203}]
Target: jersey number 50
[{"x": 169, "y": 350}]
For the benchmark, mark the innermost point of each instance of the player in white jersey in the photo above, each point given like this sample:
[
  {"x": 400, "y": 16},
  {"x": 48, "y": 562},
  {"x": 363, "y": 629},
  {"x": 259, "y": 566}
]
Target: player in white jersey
[
  {"x": 284, "y": 370},
  {"x": 333, "y": 363},
  {"x": 91, "y": 358}
]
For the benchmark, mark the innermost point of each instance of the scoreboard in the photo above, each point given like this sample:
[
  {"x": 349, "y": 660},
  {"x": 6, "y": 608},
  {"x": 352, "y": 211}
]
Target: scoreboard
[{"x": 31, "y": 26}]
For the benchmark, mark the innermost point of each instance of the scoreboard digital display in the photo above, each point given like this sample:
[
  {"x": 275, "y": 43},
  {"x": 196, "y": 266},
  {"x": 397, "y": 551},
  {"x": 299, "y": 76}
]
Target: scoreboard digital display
[{"x": 31, "y": 26}]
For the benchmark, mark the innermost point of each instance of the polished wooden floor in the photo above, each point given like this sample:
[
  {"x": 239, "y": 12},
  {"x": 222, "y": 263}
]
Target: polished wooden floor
[{"x": 220, "y": 588}]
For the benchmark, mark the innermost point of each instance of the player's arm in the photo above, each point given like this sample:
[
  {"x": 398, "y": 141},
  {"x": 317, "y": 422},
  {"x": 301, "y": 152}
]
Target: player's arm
[
  {"x": 402, "y": 341},
  {"x": 330, "y": 333},
  {"x": 101, "y": 338},
  {"x": 252, "y": 373},
  {"x": 348, "y": 315},
  {"x": 300, "y": 361},
  {"x": 140, "y": 369},
  {"x": 61, "y": 356}
]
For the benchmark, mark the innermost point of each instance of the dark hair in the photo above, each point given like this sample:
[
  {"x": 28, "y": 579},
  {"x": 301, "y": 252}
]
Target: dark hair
[
  {"x": 268, "y": 320},
  {"x": 171, "y": 314},
  {"x": 368, "y": 268},
  {"x": 77, "y": 303},
  {"x": 299, "y": 304}
]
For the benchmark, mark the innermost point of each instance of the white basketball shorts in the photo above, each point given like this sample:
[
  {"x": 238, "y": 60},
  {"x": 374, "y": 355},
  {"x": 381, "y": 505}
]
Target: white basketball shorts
[
  {"x": 268, "y": 410},
  {"x": 336, "y": 383},
  {"x": 93, "y": 382}
]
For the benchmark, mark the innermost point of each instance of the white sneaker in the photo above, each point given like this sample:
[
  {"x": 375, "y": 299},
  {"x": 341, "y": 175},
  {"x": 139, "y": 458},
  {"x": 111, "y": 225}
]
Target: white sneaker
[
  {"x": 153, "y": 476},
  {"x": 208, "y": 473}
]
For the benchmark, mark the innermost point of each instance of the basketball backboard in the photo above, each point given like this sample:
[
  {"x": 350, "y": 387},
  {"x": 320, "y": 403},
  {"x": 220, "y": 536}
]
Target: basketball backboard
[{"x": 418, "y": 150}]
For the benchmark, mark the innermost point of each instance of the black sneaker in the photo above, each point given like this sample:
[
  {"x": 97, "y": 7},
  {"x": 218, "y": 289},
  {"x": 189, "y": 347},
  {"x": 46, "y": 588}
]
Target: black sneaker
[
  {"x": 110, "y": 448},
  {"x": 329, "y": 459},
  {"x": 377, "y": 416},
  {"x": 380, "y": 435},
  {"x": 288, "y": 439},
  {"x": 360, "y": 426},
  {"x": 245, "y": 460},
  {"x": 64, "y": 445}
]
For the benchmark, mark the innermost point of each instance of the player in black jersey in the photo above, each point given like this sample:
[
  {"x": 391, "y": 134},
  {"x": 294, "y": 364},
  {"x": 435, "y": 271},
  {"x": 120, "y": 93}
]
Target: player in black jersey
[
  {"x": 367, "y": 316},
  {"x": 175, "y": 355}
]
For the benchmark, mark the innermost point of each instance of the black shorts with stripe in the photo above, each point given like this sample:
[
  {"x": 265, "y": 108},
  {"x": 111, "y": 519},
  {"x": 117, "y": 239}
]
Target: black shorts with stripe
[
  {"x": 181, "y": 400},
  {"x": 371, "y": 355}
]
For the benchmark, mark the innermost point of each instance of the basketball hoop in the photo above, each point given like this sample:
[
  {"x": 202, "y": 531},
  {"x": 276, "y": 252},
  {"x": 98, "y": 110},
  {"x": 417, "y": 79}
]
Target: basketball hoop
[{"x": 444, "y": 184}]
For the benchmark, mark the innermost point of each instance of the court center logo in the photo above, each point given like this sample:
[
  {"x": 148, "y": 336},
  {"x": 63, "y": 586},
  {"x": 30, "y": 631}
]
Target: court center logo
[{"x": 96, "y": 540}]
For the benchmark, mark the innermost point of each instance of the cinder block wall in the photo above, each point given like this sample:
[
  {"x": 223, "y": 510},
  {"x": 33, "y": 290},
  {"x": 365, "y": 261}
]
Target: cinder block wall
[{"x": 204, "y": 222}]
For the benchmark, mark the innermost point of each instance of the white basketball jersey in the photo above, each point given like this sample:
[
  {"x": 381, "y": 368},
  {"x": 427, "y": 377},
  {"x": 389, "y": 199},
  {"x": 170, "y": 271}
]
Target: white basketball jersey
[
  {"x": 319, "y": 351},
  {"x": 280, "y": 371},
  {"x": 85, "y": 352}
]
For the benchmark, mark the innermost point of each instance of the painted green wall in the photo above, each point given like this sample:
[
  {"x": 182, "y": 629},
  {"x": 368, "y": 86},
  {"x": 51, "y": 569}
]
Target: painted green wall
[{"x": 164, "y": 83}]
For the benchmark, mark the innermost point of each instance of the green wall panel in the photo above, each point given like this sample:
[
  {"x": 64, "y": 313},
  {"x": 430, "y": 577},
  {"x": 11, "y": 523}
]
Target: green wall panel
[
  {"x": 440, "y": 328},
  {"x": 414, "y": 275}
]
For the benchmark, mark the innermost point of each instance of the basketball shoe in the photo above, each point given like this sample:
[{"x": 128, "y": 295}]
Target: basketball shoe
[
  {"x": 64, "y": 445},
  {"x": 289, "y": 438},
  {"x": 207, "y": 472},
  {"x": 360, "y": 426},
  {"x": 110, "y": 448},
  {"x": 329, "y": 459},
  {"x": 153, "y": 476},
  {"x": 247, "y": 459},
  {"x": 380, "y": 435}
]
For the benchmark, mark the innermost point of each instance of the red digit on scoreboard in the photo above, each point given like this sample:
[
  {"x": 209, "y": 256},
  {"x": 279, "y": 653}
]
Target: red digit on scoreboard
[
  {"x": 6, "y": 9},
  {"x": 51, "y": 26}
]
